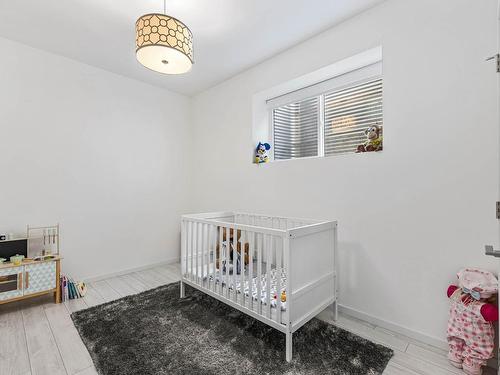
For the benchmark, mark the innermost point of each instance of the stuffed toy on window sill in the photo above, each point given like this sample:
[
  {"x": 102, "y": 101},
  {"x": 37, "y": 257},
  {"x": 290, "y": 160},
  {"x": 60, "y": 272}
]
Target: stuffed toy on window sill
[
  {"x": 261, "y": 153},
  {"x": 374, "y": 140}
]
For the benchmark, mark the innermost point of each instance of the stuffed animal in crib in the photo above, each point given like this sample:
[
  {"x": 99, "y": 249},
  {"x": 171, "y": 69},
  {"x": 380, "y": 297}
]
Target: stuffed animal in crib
[
  {"x": 470, "y": 330},
  {"x": 228, "y": 254},
  {"x": 261, "y": 155},
  {"x": 227, "y": 265},
  {"x": 373, "y": 141}
]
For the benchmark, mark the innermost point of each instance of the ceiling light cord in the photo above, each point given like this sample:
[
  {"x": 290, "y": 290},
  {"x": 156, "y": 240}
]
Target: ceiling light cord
[{"x": 164, "y": 6}]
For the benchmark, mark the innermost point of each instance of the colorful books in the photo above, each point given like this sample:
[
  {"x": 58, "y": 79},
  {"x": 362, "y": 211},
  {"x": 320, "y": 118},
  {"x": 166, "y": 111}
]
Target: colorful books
[{"x": 71, "y": 289}]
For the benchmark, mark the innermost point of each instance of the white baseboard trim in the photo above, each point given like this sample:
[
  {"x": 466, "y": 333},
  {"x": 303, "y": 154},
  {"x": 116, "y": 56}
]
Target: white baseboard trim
[
  {"x": 404, "y": 331},
  {"x": 93, "y": 279}
]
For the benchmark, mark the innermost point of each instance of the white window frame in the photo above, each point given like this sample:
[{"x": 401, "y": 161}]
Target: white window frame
[
  {"x": 321, "y": 121},
  {"x": 338, "y": 75},
  {"x": 350, "y": 79}
]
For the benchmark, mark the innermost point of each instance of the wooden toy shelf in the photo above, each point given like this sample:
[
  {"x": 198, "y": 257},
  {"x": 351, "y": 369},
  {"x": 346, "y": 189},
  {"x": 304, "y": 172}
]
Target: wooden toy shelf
[{"x": 30, "y": 279}]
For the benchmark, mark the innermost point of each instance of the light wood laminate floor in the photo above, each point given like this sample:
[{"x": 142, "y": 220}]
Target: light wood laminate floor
[{"x": 38, "y": 336}]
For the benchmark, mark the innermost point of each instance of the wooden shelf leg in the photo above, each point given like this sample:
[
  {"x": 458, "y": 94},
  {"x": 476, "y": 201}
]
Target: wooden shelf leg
[{"x": 57, "y": 293}]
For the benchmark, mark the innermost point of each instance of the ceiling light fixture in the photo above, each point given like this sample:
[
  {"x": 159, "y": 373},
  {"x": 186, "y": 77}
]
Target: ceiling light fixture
[{"x": 163, "y": 43}]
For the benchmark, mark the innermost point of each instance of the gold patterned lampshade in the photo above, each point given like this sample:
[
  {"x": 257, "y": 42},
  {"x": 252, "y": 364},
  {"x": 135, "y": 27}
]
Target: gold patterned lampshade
[{"x": 163, "y": 44}]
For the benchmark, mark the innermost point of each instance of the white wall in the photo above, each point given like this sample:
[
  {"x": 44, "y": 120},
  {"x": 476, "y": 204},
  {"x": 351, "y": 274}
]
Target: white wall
[
  {"x": 110, "y": 158},
  {"x": 409, "y": 217},
  {"x": 101, "y": 154}
]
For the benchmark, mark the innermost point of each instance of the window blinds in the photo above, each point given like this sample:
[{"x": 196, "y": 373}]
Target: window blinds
[
  {"x": 348, "y": 113},
  {"x": 295, "y": 129},
  {"x": 329, "y": 117}
]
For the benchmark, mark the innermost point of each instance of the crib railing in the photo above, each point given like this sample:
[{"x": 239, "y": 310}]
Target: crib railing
[
  {"x": 274, "y": 222},
  {"x": 223, "y": 258}
]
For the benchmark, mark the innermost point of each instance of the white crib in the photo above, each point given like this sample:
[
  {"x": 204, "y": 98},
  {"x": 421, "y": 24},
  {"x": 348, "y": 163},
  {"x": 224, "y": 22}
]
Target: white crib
[{"x": 247, "y": 260}]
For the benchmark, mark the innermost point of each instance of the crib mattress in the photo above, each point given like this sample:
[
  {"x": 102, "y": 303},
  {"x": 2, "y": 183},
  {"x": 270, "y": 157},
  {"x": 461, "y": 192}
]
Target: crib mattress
[{"x": 227, "y": 281}]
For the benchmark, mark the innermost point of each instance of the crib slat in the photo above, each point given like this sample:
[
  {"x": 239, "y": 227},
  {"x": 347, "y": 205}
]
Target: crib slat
[
  {"x": 190, "y": 249},
  {"x": 206, "y": 254},
  {"x": 207, "y": 257},
  {"x": 193, "y": 244},
  {"x": 183, "y": 248},
  {"x": 199, "y": 237},
  {"x": 226, "y": 264},
  {"x": 203, "y": 251},
  {"x": 185, "y": 244},
  {"x": 269, "y": 251},
  {"x": 279, "y": 259},
  {"x": 221, "y": 229},
  {"x": 209, "y": 251},
  {"x": 199, "y": 232},
  {"x": 194, "y": 261},
  {"x": 214, "y": 255},
  {"x": 259, "y": 272},
  {"x": 235, "y": 257},
  {"x": 223, "y": 260},
  {"x": 242, "y": 268},
  {"x": 250, "y": 269},
  {"x": 221, "y": 265}
]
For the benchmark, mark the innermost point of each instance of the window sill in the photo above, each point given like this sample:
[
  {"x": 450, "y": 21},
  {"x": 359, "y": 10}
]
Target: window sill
[{"x": 337, "y": 156}]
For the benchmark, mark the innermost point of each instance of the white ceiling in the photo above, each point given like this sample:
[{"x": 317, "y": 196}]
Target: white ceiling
[{"x": 229, "y": 35}]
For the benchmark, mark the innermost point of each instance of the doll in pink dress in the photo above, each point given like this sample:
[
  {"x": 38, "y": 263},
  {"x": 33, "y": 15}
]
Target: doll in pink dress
[{"x": 470, "y": 327}]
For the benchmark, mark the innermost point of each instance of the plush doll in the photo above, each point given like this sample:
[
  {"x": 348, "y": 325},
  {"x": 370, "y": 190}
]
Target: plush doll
[
  {"x": 229, "y": 255},
  {"x": 373, "y": 141},
  {"x": 470, "y": 326},
  {"x": 261, "y": 153}
]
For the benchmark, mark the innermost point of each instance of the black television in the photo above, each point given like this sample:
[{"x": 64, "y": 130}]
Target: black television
[{"x": 9, "y": 248}]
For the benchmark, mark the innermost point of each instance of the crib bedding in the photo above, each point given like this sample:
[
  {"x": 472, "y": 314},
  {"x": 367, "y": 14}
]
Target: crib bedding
[{"x": 227, "y": 281}]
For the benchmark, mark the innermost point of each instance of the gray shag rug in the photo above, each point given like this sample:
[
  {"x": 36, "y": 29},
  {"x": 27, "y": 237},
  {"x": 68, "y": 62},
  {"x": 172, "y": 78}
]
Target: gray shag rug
[{"x": 156, "y": 332}]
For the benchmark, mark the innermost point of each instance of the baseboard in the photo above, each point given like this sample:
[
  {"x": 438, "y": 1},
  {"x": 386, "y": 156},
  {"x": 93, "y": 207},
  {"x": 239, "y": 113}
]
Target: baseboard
[
  {"x": 130, "y": 270},
  {"x": 404, "y": 331}
]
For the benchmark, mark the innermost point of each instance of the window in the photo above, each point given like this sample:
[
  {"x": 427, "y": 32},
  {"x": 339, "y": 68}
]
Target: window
[
  {"x": 348, "y": 113},
  {"x": 296, "y": 129},
  {"x": 328, "y": 118}
]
